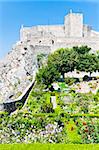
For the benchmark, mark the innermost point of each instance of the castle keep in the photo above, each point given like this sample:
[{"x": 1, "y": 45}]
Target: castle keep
[{"x": 73, "y": 32}]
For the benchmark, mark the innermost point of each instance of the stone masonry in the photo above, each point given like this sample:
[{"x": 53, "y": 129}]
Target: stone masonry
[{"x": 72, "y": 33}]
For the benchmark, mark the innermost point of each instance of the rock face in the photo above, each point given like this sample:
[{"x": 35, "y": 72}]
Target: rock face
[{"x": 18, "y": 67}]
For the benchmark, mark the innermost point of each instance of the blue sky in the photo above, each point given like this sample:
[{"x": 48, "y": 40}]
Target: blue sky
[{"x": 14, "y": 13}]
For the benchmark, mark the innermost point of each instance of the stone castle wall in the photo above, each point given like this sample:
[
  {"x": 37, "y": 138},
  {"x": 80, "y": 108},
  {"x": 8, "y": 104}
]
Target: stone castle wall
[
  {"x": 73, "y": 32},
  {"x": 70, "y": 42}
]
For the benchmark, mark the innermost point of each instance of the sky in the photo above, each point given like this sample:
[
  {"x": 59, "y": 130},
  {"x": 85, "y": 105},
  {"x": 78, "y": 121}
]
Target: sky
[{"x": 14, "y": 13}]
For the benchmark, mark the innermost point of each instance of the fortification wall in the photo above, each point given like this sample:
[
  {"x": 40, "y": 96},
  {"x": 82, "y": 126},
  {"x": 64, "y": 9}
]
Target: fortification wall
[
  {"x": 39, "y": 31},
  {"x": 70, "y": 42},
  {"x": 42, "y": 49},
  {"x": 73, "y": 27},
  {"x": 94, "y": 34},
  {"x": 56, "y": 30}
]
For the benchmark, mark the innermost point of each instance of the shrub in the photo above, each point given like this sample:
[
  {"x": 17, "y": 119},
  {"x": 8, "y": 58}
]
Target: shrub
[{"x": 70, "y": 81}]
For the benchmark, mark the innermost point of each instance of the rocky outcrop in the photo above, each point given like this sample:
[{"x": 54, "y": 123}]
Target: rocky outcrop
[{"x": 18, "y": 68}]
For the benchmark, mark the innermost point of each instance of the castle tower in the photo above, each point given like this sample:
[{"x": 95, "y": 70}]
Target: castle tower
[{"x": 73, "y": 24}]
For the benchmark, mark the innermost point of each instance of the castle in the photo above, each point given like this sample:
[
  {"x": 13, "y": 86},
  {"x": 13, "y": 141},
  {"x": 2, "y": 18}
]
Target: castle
[
  {"x": 19, "y": 66},
  {"x": 73, "y": 32}
]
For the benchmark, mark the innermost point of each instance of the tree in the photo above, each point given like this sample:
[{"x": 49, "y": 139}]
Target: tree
[
  {"x": 88, "y": 63},
  {"x": 47, "y": 75},
  {"x": 82, "y": 50},
  {"x": 64, "y": 60}
]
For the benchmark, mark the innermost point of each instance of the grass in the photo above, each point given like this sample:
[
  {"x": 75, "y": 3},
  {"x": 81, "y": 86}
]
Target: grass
[{"x": 49, "y": 147}]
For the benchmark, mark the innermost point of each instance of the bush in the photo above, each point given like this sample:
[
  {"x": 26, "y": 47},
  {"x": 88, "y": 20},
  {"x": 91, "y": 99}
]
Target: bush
[{"x": 70, "y": 81}]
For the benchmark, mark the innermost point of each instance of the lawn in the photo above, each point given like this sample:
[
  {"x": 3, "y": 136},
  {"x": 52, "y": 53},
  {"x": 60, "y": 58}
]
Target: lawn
[{"x": 49, "y": 147}]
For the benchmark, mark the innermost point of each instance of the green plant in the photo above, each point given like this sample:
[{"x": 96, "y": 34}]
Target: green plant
[
  {"x": 70, "y": 81},
  {"x": 72, "y": 133}
]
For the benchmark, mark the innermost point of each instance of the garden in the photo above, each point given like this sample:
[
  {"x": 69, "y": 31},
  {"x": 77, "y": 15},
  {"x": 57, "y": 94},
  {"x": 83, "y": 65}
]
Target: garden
[
  {"x": 62, "y": 115},
  {"x": 74, "y": 120}
]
